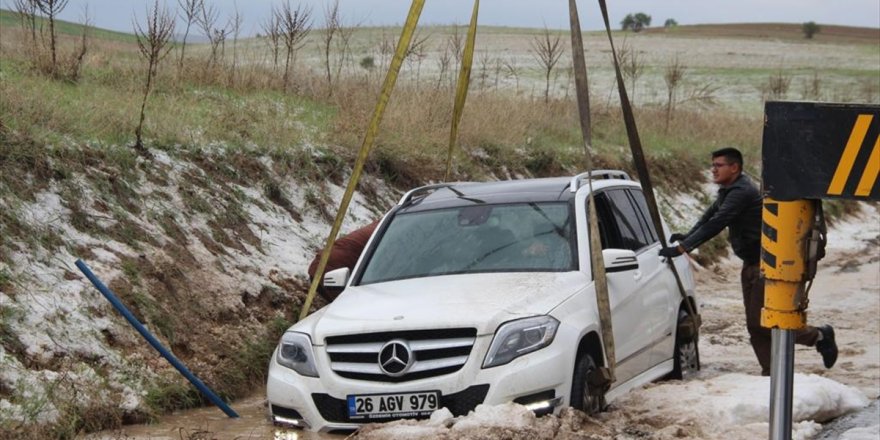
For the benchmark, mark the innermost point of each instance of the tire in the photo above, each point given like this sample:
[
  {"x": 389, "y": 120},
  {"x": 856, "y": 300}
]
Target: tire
[
  {"x": 686, "y": 354},
  {"x": 584, "y": 395}
]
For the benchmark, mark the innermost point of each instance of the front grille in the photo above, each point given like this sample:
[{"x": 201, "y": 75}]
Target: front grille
[
  {"x": 459, "y": 404},
  {"x": 435, "y": 352}
]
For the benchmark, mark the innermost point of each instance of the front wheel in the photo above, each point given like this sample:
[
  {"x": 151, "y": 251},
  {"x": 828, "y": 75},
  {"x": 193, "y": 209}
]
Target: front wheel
[
  {"x": 686, "y": 357},
  {"x": 586, "y": 396}
]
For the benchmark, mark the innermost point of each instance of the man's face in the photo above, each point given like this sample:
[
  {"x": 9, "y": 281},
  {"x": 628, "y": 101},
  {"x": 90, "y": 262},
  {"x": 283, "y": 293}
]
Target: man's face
[{"x": 724, "y": 172}]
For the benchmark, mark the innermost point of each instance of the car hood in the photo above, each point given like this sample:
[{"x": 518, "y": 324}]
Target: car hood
[{"x": 481, "y": 301}]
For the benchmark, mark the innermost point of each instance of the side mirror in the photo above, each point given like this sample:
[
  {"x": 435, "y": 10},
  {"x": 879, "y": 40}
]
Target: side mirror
[
  {"x": 619, "y": 260},
  {"x": 335, "y": 281}
]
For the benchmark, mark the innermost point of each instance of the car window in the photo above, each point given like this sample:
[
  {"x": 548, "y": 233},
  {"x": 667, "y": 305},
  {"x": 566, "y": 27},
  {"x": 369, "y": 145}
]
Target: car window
[
  {"x": 642, "y": 207},
  {"x": 607, "y": 227},
  {"x": 619, "y": 222},
  {"x": 521, "y": 237}
]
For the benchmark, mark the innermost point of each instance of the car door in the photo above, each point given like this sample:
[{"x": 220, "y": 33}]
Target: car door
[
  {"x": 626, "y": 323},
  {"x": 658, "y": 285},
  {"x": 639, "y": 295}
]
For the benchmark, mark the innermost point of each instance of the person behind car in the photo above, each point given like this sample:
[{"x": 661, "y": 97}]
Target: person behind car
[
  {"x": 738, "y": 208},
  {"x": 345, "y": 253}
]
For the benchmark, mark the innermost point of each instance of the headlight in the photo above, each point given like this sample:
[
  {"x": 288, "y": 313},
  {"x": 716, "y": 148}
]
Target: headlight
[
  {"x": 516, "y": 338},
  {"x": 295, "y": 352}
]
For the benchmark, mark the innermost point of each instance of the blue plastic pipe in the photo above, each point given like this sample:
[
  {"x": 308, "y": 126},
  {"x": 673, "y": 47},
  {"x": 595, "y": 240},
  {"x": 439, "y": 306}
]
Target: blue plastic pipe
[{"x": 153, "y": 341}]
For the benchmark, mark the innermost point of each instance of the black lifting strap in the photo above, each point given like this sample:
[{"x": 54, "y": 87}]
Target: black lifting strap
[
  {"x": 604, "y": 375},
  {"x": 638, "y": 155}
]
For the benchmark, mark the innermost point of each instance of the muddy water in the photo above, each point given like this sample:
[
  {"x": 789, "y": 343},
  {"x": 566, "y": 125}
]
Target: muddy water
[{"x": 211, "y": 423}]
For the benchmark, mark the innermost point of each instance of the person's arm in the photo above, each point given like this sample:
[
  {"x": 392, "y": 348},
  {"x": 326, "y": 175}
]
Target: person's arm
[{"x": 715, "y": 220}]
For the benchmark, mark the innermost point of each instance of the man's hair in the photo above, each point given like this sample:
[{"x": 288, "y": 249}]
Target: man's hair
[{"x": 731, "y": 154}]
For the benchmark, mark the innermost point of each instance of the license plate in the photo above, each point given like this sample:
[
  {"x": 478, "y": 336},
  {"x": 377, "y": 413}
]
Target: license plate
[{"x": 393, "y": 406}]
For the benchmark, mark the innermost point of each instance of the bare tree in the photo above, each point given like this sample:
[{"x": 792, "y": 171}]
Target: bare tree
[
  {"x": 74, "y": 67},
  {"x": 386, "y": 47},
  {"x": 207, "y": 21},
  {"x": 417, "y": 52},
  {"x": 190, "y": 10},
  {"x": 455, "y": 43},
  {"x": 343, "y": 48},
  {"x": 153, "y": 45},
  {"x": 547, "y": 50},
  {"x": 512, "y": 69},
  {"x": 443, "y": 61},
  {"x": 336, "y": 36},
  {"x": 51, "y": 9},
  {"x": 27, "y": 13},
  {"x": 272, "y": 29},
  {"x": 237, "y": 20},
  {"x": 673, "y": 77},
  {"x": 331, "y": 27},
  {"x": 632, "y": 66},
  {"x": 497, "y": 68},
  {"x": 484, "y": 60},
  {"x": 295, "y": 25}
]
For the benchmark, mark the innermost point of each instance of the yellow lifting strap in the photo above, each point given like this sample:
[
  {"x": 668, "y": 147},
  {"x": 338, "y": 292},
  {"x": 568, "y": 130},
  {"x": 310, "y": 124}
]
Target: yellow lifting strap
[
  {"x": 596, "y": 261},
  {"x": 388, "y": 86},
  {"x": 464, "y": 78}
]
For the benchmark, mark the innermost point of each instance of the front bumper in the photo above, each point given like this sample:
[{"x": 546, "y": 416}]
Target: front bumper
[{"x": 542, "y": 376}]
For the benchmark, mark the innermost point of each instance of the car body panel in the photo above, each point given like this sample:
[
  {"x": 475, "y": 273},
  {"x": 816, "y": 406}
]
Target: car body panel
[{"x": 482, "y": 301}]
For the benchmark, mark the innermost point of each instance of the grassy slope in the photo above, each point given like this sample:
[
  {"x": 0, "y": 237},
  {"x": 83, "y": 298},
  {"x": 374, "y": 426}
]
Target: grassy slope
[{"x": 11, "y": 19}]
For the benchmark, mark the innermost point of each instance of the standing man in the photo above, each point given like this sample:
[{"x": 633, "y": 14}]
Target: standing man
[
  {"x": 345, "y": 253},
  {"x": 738, "y": 208}
]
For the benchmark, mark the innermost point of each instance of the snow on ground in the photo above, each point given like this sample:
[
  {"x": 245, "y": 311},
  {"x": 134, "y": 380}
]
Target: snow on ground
[{"x": 729, "y": 406}]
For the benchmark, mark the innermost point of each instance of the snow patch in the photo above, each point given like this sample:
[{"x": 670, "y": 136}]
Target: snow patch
[
  {"x": 866, "y": 433},
  {"x": 728, "y": 406}
]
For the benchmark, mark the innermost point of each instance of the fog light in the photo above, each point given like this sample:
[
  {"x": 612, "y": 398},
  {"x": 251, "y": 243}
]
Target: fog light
[
  {"x": 287, "y": 417},
  {"x": 544, "y": 405},
  {"x": 288, "y": 422}
]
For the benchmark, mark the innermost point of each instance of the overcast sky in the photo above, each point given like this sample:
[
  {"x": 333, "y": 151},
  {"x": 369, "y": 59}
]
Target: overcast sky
[{"x": 117, "y": 14}]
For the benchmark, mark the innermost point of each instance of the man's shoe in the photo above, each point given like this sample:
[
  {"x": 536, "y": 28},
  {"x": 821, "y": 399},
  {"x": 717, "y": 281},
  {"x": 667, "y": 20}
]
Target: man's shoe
[{"x": 827, "y": 347}]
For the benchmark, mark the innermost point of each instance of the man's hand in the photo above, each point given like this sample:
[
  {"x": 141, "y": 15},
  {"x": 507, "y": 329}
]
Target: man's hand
[
  {"x": 670, "y": 252},
  {"x": 677, "y": 237}
]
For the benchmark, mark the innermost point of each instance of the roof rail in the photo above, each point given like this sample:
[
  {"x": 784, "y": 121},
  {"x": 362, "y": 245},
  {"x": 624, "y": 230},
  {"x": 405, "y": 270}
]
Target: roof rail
[
  {"x": 597, "y": 174},
  {"x": 412, "y": 193}
]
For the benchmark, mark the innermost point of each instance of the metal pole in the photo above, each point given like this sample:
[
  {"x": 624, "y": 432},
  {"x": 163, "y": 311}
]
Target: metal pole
[
  {"x": 781, "y": 383},
  {"x": 114, "y": 300},
  {"x": 785, "y": 233}
]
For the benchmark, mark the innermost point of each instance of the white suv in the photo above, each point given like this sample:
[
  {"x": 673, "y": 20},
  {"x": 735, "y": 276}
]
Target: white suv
[{"x": 482, "y": 293}]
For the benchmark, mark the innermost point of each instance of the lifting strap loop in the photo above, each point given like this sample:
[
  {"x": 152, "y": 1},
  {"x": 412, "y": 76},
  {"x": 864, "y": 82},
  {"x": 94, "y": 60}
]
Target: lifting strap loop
[
  {"x": 596, "y": 261},
  {"x": 390, "y": 79},
  {"x": 464, "y": 78},
  {"x": 638, "y": 155}
]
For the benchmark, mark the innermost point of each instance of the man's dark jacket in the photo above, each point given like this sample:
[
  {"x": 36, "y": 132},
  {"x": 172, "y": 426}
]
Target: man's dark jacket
[{"x": 738, "y": 207}]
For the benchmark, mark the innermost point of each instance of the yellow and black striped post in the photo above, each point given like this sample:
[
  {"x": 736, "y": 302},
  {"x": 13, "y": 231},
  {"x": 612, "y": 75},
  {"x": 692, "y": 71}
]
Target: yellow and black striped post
[
  {"x": 785, "y": 238},
  {"x": 784, "y": 241}
]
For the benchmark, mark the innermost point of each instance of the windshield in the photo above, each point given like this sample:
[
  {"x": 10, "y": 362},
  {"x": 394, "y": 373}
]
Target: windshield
[{"x": 528, "y": 237}]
